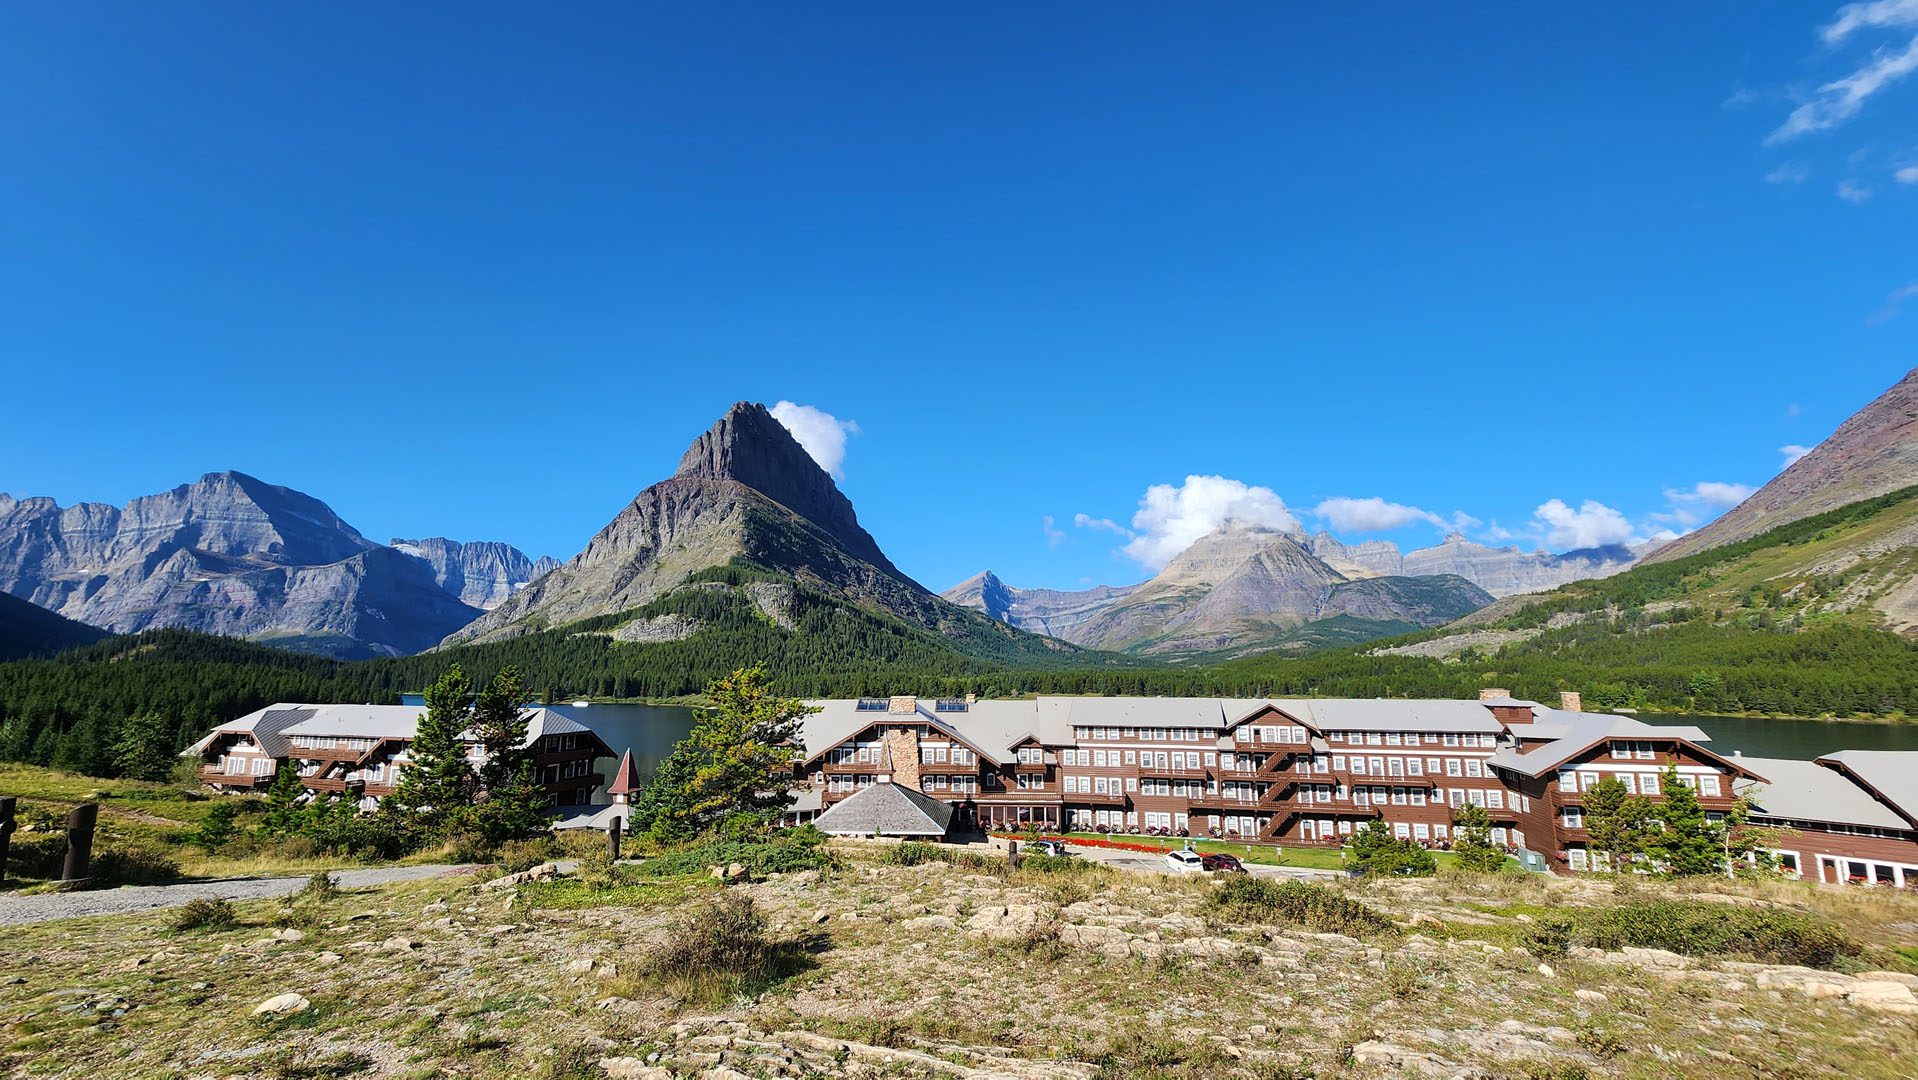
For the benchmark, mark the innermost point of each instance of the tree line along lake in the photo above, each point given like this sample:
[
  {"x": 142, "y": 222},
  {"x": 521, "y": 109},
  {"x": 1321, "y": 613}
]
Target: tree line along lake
[{"x": 650, "y": 731}]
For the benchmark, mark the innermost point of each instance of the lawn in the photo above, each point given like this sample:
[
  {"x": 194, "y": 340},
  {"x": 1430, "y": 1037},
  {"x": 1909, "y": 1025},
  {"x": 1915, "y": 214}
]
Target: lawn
[{"x": 1267, "y": 854}]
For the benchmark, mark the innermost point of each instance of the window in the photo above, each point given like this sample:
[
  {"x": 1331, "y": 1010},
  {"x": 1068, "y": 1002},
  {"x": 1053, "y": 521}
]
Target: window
[
  {"x": 1451, "y": 738},
  {"x": 1567, "y": 780},
  {"x": 1358, "y": 765},
  {"x": 1454, "y": 767},
  {"x": 1495, "y": 799},
  {"x": 1708, "y": 784},
  {"x": 1392, "y": 738},
  {"x": 1474, "y": 767},
  {"x": 1131, "y": 757},
  {"x": 1099, "y": 758},
  {"x": 1132, "y": 783},
  {"x": 1572, "y": 817},
  {"x": 1576, "y": 857},
  {"x": 1648, "y": 784},
  {"x": 1422, "y": 832},
  {"x": 1630, "y": 781},
  {"x": 1414, "y": 767}
]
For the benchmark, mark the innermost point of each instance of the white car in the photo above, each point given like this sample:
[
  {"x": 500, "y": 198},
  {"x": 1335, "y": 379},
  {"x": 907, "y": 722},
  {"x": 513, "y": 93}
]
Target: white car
[{"x": 1184, "y": 862}]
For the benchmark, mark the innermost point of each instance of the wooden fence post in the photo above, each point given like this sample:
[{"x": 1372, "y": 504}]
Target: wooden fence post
[{"x": 79, "y": 843}]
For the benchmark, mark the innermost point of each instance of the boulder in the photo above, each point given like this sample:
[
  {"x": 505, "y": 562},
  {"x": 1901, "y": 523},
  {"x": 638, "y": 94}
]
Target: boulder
[
  {"x": 545, "y": 871},
  {"x": 282, "y": 1005},
  {"x": 632, "y": 1068}
]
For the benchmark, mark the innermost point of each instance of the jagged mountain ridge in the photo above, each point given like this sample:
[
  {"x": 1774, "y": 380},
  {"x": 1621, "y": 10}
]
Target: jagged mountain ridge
[
  {"x": 481, "y": 573},
  {"x": 1873, "y": 453},
  {"x": 1230, "y": 590},
  {"x": 227, "y": 554},
  {"x": 745, "y": 492},
  {"x": 1505, "y": 571}
]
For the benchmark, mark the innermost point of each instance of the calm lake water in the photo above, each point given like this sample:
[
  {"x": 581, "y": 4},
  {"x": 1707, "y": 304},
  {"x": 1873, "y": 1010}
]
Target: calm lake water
[{"x": 650, "y": 731}]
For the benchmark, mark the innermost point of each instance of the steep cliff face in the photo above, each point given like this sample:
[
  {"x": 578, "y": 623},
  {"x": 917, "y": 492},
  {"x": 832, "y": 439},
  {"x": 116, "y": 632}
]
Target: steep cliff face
[
  {"x": 481, "y": 574},
  {"x": 745, "y": 490},
  {"x": 1873, "y": 453},
  {"x": 228, "y": 554},
  {"x": 1234, "y": 588}
]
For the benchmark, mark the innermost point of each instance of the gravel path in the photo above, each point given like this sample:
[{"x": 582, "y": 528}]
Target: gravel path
[{"x": 46, "y": 907}]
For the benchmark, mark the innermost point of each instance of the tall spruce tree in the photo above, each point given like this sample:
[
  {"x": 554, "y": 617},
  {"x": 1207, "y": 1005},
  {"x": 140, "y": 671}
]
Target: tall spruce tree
[
  {"x": 143, "y": 748},
  {"x": 1472, "y": 840},
  {"x": 437, "y": 782},
  {"x": 1618, "y": 822},
  {"x": 734, "y": 766},
  {"x": 283, "y": 815},
  {"x": 499, "y": 724},
  {"x": 1688, "y": 843}
]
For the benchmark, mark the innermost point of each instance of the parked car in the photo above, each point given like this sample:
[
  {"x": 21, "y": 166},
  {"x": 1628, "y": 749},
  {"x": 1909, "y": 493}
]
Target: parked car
[
  {"x": 1223, "y": 864},
  {"x": 1184, "y": 862},
  {"x": 1054, "y": 848}
]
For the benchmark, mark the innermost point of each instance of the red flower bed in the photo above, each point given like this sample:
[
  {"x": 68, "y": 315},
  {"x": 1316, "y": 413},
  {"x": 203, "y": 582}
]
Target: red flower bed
[{"x": 1155, "y": 849}]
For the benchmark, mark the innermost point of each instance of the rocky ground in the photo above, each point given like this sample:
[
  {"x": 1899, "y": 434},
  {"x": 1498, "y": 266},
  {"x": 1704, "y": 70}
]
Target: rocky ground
[{"x": 931, "y": 970}]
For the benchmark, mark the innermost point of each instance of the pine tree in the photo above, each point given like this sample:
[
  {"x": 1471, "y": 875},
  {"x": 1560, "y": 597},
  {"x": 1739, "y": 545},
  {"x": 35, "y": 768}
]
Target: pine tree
[
  {"x": 1688, "y": 845},
  {"x": 733, "y": 765},
  {"x": 282, "y": 817},
  {"x": 436, "y": 782},
  {"x": 143, "y": 749},
  {"x": 1618, "y": 822},
  {"x": 1376, "y": 851},
  {"x": 499, "y": 725},
  {"x": 1472, "y": 840}
]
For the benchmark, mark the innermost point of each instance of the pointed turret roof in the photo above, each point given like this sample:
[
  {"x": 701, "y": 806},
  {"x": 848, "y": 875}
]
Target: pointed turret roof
[{"x": 626, "y": 777}]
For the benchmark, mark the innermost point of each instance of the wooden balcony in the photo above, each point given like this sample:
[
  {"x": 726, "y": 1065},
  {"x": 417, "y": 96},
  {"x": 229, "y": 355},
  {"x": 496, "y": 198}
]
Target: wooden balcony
[
  {"x": 1093, "y": 798},
  {"x": 211, "y": 774},
  {"x": 852, "y": 768},
  {"x": 1216, "y": 800},
  {"x": 1175, "y": 772}
]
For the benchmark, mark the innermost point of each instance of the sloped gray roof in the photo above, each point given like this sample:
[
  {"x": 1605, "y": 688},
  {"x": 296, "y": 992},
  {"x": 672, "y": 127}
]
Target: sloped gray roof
[
  {"x": 1891, "y": 773},
  {"x": 1391, "y": 714},
  {"x": 275, "y": 724},
  {"x": 1808, "y": 791},
  {"x": 1572, "y": 732},
  {"x": 889, "y": 810}
]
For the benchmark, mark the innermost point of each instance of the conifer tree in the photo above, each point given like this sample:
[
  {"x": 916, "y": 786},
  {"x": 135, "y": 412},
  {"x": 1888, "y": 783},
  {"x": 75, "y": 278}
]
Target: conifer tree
[
  {"x": 499, "y": 725},
  {"x": 1472, "y": 840},
  {"x": 282, "y": 815},
  {"x": 143, "y": 749},
  {"x": 734, "y": 765},
  {"x": 1688, "y": 844},
  {"x": 1618, "y": 822},
  {"x": 436, "y": 781}
]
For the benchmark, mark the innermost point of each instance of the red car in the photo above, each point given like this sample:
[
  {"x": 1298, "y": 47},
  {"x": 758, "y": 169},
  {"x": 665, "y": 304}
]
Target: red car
[{"x": 1223, "y": 864}]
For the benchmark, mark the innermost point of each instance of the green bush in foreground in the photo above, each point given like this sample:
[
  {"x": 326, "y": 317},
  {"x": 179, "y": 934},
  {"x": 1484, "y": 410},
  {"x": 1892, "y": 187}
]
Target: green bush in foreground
[
  {"x": 1315, "y": 907},
  {"x": 1768, "y": 935},
  {"x": 204, "y": 913},
  {"x": 720, "y": 951}
]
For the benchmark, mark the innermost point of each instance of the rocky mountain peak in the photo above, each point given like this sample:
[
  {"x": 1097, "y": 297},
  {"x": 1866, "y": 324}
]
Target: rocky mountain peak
[
  {"x": 748, "y": 446},
  {"x": 1873, "y": 453}
]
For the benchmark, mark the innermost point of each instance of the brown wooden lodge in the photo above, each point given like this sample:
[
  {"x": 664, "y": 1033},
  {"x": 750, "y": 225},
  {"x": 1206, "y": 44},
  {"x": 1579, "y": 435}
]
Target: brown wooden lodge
[
  {"x": 358, "y": 751},
  {"x": 1312, "y": 771}
]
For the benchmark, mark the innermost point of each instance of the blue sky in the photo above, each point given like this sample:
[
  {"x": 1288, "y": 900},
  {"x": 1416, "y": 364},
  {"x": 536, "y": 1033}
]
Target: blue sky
[{"x": 483, "y": 271}]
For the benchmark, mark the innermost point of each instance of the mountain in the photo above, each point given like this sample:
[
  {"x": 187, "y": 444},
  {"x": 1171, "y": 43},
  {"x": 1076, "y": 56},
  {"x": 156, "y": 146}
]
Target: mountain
[
  {"x": 1237, "y": 589},
  {"x": 1505, "y": 571},
  {"x": 228, "y": 554},
  {"x": 481, "y": 574},
  {"x": 27, "y": 630},
  {"x": 1873, "y": 453},
  {"x": 748, "y": 514}
]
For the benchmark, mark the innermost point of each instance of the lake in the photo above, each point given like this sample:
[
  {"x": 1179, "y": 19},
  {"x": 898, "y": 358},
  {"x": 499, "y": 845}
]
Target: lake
[{"x": 650, "y": 731}]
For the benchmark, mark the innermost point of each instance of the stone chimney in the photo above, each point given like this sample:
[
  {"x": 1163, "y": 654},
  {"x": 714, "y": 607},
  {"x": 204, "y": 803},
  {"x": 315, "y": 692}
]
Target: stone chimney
[
  {"x": 1569, "y": 701},
  {"x": 1493, "y": 693},
  {"x": 902, "y": 705},
  {"x": 902, "y": 754}
]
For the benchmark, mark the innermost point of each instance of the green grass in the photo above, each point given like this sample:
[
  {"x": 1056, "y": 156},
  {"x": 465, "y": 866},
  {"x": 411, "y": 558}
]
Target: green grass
[{"x": 1264, "y": 854}]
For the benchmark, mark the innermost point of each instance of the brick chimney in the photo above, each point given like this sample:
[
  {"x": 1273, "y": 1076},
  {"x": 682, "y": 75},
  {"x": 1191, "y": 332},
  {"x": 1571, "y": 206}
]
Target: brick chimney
[
  {"x": 903, "y": 705},
  {"x": 1569, "y": 701},
  {"x": 1493, "y": 693}
]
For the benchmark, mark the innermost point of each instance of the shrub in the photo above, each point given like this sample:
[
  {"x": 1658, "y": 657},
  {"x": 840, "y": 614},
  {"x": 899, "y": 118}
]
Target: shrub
[
  {"x": 133, "y": 864},
  {"x": 778, "y": 856},
  {"x": 917, "y": 852},
  {"x": 217, "y": 827},
  {"x": 320, "y": 888},
  {"x": 516, "y": 855},
  {"x": 1548, "y": 936},
  {"x": 1315, "y": 907},
  {"x": 204, "y": 913},
  {"x": 722, "y": 950},
  {"x": 1768, "y": 935},
  {"x": 37, "y": 854}
]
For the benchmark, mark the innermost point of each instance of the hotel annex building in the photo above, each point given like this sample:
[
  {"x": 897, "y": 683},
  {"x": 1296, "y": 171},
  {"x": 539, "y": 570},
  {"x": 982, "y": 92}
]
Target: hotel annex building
[{"x": 1313, "y": 771}]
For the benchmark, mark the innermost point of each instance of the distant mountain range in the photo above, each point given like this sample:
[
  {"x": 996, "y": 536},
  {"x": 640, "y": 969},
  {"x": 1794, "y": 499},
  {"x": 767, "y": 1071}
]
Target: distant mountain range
[
  {"x": 230, "y": 554},
  {"x": 1246, "y": 588},
  {"x": 28, "y": 630}
]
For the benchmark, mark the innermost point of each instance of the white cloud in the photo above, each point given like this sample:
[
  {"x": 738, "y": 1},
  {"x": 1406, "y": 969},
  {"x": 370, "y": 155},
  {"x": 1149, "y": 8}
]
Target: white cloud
[
  {"x": 1882, "y": 14},
  {"x": 1593, "y": 524},
  {"x": 1841, "y": 99},
  {"x": 1713, "y": 493},
  {"x": 1374, "y": 514},
  {"x": 820, "y": 432},
  {"x": 1853, "y": 192},
  {"x": 1087, "y": 521},
  {"x": 1054, "y": 535},
  {"x": 1792, "y": 454},
  {"x": 1170, "y": 518},
  {"x": 1791, "y": 172},
  {"x": 1906, "y": 175},
  {"x": 1894, "y": 303}
]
